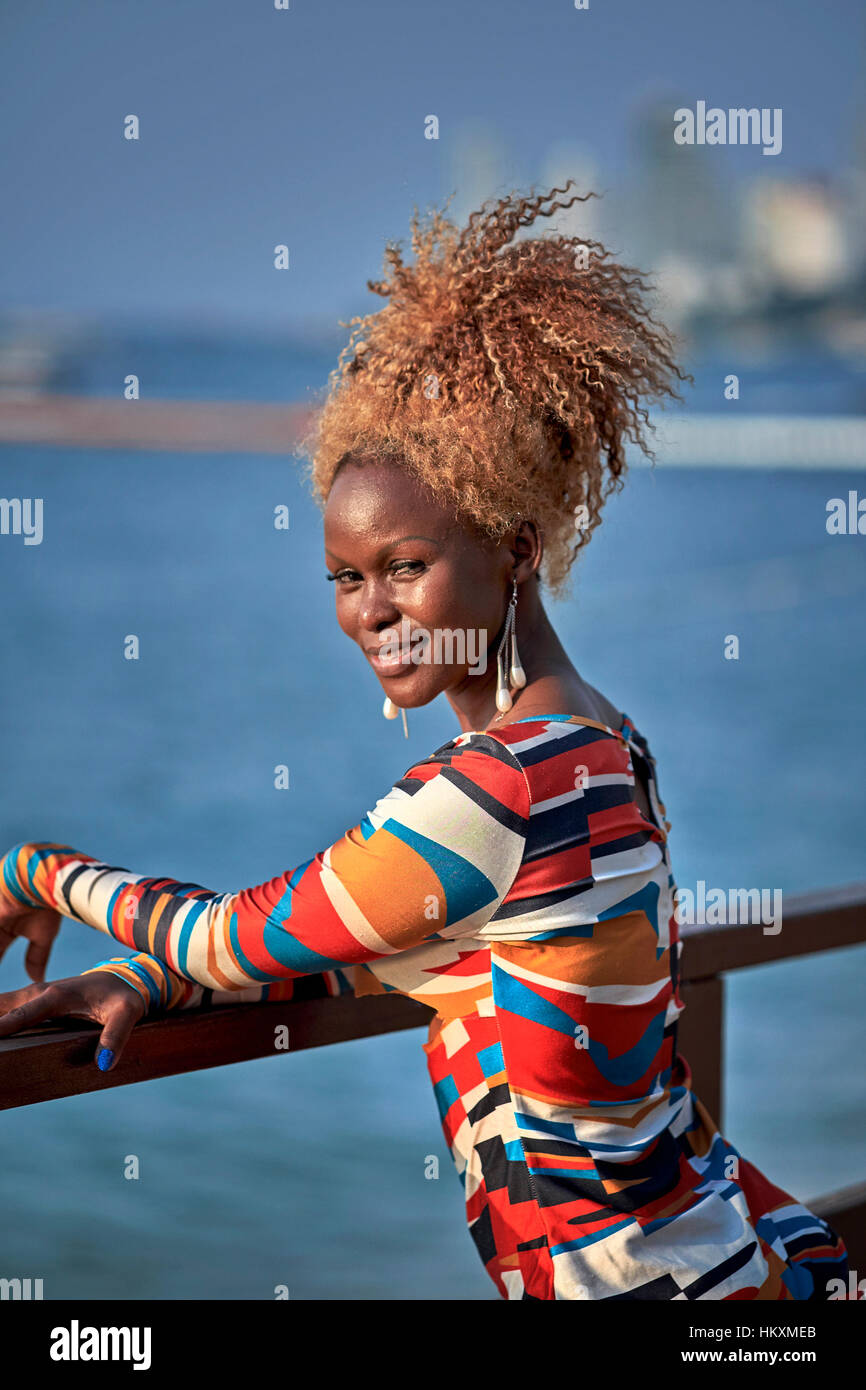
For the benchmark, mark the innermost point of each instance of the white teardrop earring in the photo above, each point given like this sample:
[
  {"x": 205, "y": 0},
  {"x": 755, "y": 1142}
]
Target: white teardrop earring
[
  {"x": 507, "y": 659},
  {"x": 518, "y": 675},
  {"x": 390, "y": 711}
]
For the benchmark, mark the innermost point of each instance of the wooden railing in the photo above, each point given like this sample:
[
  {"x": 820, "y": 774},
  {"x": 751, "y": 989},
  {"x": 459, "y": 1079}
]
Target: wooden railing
[{"x": 47, "y": 1063}]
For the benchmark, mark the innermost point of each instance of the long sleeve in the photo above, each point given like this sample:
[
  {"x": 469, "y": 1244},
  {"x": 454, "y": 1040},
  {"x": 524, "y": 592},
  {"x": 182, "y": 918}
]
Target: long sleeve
[
  {"x": 160, "y": 988},
  {"x": 432, "y": 860}
]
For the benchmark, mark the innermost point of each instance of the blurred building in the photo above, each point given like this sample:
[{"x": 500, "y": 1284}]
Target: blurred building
[
  {"x": 683, "y": 209},
  {"x": 793, "y": 236}
]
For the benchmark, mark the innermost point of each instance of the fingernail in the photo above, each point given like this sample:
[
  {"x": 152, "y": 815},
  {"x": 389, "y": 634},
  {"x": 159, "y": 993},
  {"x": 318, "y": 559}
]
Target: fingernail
[{"x": 105, "y": 1059}]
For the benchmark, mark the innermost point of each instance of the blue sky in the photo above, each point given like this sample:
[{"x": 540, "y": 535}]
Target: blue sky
[{"x": 307, "y": 127}]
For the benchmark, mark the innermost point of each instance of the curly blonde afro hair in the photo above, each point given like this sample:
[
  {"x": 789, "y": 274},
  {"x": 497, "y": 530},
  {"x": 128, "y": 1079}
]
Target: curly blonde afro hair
[{"x": 505, "y": 375}]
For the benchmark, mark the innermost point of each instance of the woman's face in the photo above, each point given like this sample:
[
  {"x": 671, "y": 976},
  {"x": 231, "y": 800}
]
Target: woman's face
[{"x": 422, "y": 595}]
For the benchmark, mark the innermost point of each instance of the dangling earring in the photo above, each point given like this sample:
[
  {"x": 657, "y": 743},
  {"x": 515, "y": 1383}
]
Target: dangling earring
[
  {"x": 507, "y": 659},
  {"x": 390, "y": 711}
]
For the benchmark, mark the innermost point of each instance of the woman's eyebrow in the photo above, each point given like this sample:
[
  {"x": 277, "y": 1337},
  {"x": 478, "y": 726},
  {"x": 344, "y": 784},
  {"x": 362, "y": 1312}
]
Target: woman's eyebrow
[
  {"x": 390, "y": 544},
  {"x": 401, "y": 539}
]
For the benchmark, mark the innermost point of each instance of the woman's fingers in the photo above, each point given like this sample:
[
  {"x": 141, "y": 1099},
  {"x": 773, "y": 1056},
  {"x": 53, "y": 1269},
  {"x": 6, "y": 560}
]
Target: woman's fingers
[
  {"x": 115, "y": 1035},
  {"x": 7, "y": 936},
  {"x": 24, "y": 1008},
  {"x": 42, "y": 927},
  {"x": 13, "y": 997},
  {"x": 11, "y": 919},
  {"x": 104, "y": 999},
  {"x": 39, "y": 925}
]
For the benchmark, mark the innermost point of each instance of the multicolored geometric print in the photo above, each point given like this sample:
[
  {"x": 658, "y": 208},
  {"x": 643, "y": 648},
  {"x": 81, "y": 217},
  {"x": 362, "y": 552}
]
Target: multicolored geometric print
[{"x": 512, "y": 882}]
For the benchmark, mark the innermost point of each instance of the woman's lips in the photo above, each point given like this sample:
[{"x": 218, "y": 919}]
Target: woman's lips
[{"x": 390, "y": 663}]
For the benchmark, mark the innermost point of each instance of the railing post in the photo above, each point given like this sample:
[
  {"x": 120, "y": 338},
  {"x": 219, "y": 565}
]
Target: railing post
[{"x": 701, "y": 1040}]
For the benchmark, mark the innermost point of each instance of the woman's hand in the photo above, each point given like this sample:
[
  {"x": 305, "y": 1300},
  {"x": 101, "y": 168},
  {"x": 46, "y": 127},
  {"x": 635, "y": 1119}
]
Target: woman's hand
[
  {"x": 104, "y": 998},
  {"x": 39, "y": 925}
]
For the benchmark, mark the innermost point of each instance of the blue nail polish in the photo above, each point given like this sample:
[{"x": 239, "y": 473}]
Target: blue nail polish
[{"x": 105, "y": 1059}]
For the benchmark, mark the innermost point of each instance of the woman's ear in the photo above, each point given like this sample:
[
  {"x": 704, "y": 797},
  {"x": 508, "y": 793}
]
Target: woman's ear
[{"x": 527, "y": 550}]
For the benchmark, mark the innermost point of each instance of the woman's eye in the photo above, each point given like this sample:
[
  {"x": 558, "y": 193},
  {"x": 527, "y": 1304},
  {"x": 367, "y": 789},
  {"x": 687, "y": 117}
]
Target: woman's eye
[{"x": 403, "y": 568}]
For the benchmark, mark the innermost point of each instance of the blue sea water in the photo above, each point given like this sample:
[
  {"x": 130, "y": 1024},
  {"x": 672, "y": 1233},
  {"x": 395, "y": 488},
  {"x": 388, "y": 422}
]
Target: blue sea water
[{"x": 309, "y": 1170}]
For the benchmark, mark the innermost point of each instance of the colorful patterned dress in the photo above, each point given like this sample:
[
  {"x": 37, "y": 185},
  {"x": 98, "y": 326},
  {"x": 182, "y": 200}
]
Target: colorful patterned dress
[{"x": 510, "y": 881}]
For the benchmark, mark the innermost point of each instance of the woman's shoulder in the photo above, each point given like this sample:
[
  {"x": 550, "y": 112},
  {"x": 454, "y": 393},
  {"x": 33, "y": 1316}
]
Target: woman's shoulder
[
  {"x": 538, "y": 751},
  {"x": 546, "y": 753},
  {"x": 480, "y": 766}
]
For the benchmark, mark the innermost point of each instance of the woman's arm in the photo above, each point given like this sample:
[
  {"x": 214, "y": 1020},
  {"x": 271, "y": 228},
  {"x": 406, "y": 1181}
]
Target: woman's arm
[
  {"x": 119, "y": 992},
  {"x": 160, "y": 988},
  {"x": 433, "y": 859}
]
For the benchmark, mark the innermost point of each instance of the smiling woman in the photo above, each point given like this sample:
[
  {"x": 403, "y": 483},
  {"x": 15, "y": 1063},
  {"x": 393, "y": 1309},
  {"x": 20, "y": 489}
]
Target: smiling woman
[{"x": 518, "y": 879}]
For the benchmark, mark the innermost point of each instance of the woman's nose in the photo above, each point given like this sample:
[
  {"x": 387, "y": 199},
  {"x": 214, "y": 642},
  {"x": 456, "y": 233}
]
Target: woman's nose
[{"x": 376, "y": 609}]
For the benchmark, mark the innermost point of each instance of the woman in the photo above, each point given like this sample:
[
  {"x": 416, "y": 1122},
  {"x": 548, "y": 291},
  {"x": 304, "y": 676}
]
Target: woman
[{"x": 518, "y": 879}]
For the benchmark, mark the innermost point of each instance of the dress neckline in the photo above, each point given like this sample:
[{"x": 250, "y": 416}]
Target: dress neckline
[{"x": 565, "y": 719}]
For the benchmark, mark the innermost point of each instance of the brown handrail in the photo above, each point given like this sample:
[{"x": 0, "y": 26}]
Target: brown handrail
[
  {"x": 53, "y": 1061},
  {"x": 820, "y": 920},
  {"x": 44, "y": 1064}
]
